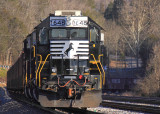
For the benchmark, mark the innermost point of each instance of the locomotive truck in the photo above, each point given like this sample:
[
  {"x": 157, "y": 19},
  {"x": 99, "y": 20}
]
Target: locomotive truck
[{"x": 61, "y": 64}]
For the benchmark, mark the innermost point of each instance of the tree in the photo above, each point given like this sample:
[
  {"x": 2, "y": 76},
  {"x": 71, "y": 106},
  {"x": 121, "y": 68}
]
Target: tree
[
  {"x": 136, "y": 19},
  {"x": 113, "y": 37},
  {"x": 19, "y": 17},
  {"x": 118, "y": 4},
  {"x": 150, "y": 85},
  {"x": 113, "y": 9},
  {"x": 109, "y": 11}
]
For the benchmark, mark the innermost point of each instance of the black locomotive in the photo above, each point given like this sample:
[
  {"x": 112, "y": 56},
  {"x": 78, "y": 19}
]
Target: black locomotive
[{"x": 60, "y": 65}]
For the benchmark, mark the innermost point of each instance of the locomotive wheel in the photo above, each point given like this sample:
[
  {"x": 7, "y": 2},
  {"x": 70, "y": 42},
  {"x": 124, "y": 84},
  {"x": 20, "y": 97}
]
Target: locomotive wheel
[
  {"x": 30, "y": 92},
  {"x": 35, "y": 94}
]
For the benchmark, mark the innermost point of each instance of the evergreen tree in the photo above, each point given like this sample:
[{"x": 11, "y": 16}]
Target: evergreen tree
[
  {"x": 113, "y": 9},
  {"x": 109, "y": 11}
]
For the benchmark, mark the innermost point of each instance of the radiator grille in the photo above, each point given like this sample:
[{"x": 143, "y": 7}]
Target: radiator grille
[{"x": 69, "y": 49}]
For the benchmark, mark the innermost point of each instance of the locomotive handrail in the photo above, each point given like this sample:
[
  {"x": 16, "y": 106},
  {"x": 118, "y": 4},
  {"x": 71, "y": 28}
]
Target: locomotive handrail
[
  {"x": 70, "y": 81},
  {"x": 38, "y": 66},
  {"x": 26, "y": 72},
  {"x": 34, "y": 52},
  {"x": 99, "y": 71},
  {"x": 30, "y": 76},
  {"x": 102, "y": 69},
  {"x": 99, "y": 57},
  {"x": 41, "y": 69}
]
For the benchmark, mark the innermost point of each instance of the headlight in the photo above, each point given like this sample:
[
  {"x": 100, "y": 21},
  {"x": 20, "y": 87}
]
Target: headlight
[{"x": 54, "y": 69}]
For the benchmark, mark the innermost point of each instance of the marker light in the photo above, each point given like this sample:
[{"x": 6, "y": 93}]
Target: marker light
[{"x": 80, "y": 77}]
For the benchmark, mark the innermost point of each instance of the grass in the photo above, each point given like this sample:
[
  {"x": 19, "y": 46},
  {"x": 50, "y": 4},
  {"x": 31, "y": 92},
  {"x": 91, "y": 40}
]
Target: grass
[{"x": 3, "y": 73}]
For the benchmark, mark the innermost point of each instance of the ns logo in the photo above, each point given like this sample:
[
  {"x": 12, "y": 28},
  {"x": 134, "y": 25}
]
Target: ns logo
[{"x": 69, "y": 49}]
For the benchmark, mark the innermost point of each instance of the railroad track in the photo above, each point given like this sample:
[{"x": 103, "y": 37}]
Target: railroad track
[
  {"x": 51, "y": 110},
  {"x": 148, "y": 105},
  {"x": 145, "y": 100}
]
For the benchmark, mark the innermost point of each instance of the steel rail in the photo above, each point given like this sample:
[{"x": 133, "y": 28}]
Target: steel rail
[
  {"x": 131, "y": 107},
  {"x": 145, "y": 100}
]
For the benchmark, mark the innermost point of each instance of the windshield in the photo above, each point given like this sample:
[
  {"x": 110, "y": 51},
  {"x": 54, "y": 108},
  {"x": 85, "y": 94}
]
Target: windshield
[
  {"x": 69, "y": 33},
  {"x": 78, "y": 33},
  {"x": 59, "y": 33}
]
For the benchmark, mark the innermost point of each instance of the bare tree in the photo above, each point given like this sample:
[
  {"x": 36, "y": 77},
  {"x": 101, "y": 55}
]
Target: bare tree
[
  {"x": 136, "y": 20},
  {"x": 112, "y": 35},
  {"x": 28, "y": 14},
  {"x": 150, "y": 85}
]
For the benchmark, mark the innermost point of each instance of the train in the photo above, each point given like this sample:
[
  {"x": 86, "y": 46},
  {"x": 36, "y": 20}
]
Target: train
[
  {"x": 61, "y": 64},
  {"x": 120, "y": 80}
]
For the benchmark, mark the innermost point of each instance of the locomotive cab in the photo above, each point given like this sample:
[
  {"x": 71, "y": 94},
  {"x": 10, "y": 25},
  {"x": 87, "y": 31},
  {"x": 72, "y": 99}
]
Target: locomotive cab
[{"x": 63, "y": 61}]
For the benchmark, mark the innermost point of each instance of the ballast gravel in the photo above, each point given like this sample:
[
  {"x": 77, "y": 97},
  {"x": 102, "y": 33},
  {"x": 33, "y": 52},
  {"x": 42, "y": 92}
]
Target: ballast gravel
[
  {"x": 107, "y": 110},
  {"x": 11, "y": 106}
]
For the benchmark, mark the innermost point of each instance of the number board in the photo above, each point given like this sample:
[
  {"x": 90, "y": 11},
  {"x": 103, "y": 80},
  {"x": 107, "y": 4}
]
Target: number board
[
  {"x": 68, "y": 21},
  {"x": 58, "y": 22},
  {"x": 79, "y": 23}
]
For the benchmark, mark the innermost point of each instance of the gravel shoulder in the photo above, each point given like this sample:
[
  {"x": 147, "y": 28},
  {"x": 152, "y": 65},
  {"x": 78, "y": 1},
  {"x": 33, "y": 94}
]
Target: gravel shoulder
[
  {"x": 11, "y": 106},
  {"x": 108, "y": 110}
]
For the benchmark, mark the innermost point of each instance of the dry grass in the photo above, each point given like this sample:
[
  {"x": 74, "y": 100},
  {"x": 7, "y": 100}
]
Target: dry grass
[
  {"x": 129, "y": 94},
  {"x": 2, "y": 84},
  {"x": 150, "y": 85},
  {"x": 3, "y": 72},
  {"x": 118, "y": 64}
]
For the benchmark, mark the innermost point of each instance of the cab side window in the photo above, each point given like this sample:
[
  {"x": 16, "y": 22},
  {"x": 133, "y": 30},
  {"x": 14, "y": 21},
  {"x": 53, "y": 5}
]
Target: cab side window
[
  {"x": 94, "y": 35},
  {"x": 28, "y": 42},
  {"x": 43, "y": 36},
  {"x": 34, "y": 38}
]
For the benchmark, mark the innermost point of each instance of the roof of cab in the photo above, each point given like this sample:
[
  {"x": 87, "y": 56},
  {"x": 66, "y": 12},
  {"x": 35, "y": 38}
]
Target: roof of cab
[{"x": 46, "y": 22}]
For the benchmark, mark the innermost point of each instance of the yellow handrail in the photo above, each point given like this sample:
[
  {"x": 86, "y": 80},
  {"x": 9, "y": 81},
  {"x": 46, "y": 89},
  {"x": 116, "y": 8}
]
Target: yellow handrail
[
  {"x": 99, "y": 71},
  {"x": 102, "y": 69},
  {"x": 26, "y": 72},
  {"x": 34, "y": 52},
  {"x": 30, "y": 76},
  {"x": 38, "y": 66},
  {"x": 41, "y": 70},
  {"x": 26, "y": 77},
  {"x": 99, "y": 56}
]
